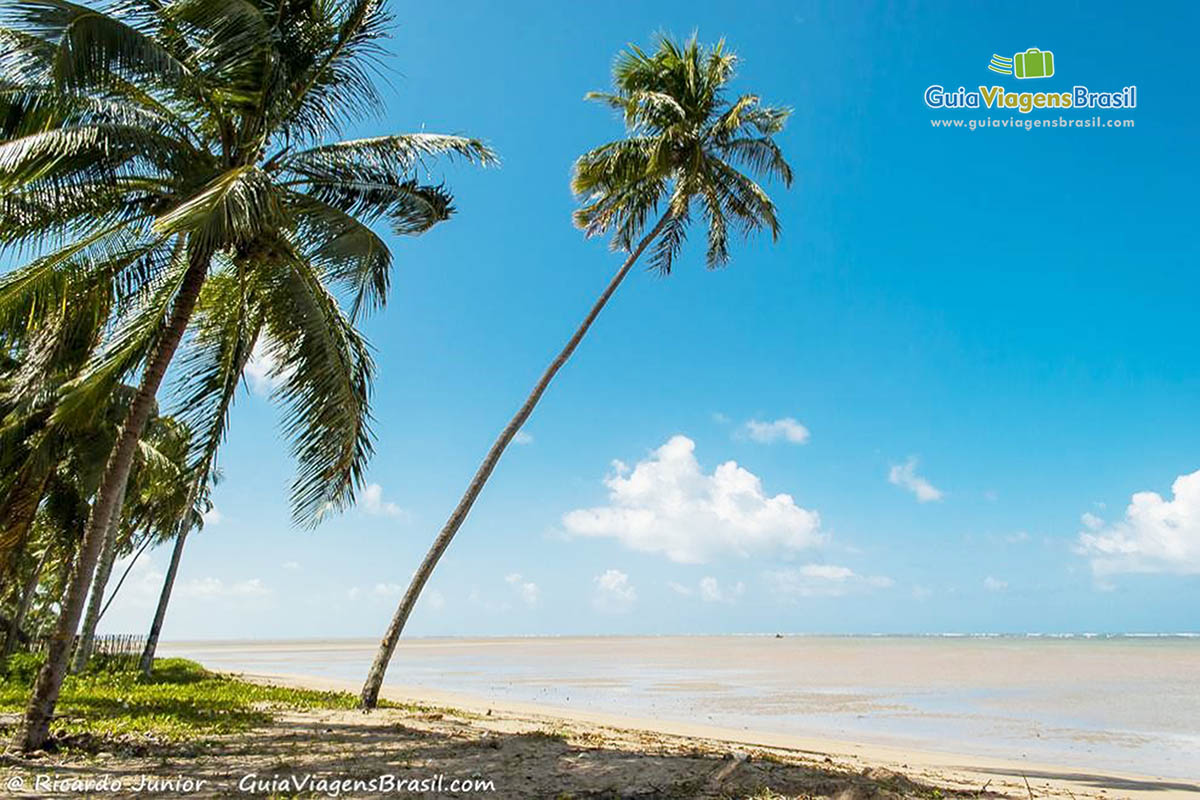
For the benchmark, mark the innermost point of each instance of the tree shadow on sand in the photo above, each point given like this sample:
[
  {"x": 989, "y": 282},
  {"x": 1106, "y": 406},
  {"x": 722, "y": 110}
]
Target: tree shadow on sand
[{"x": 554, "y": 764}]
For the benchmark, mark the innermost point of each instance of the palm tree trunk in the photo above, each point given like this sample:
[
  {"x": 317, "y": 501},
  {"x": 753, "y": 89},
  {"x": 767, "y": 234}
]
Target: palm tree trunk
[
  {"x": 32, "y": 733},
  {"x": 160, "y": 613},
  {"x": 370, "y": 691},
  {"x": 108, "y": 553},
  {"x": 18, "y": 619}
]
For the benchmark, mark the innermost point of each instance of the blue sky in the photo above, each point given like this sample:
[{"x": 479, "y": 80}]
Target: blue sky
[{"x": 978, "y": 338}]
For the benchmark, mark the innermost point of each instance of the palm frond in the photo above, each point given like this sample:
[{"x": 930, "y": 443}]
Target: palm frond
[
  {"x": 674, "y": 233},
  {"x": 92, "y": 49},
  {"x": 717, "y": 253},
  {"x": 349, "y": 254},
  {"x": 394, "y": 156},
  {"x": 338, "y": 70},
  {"x": 114, "y": 257},
  {"x": 750, "y": 205},
  {"x": 326, "y": 370},
  {"x": 227, "y": 324},
  {"x": 90, "y": 152},
  {"x": 132, "y": 337},
  {"x": 761, "y": 155},
  {"x": 234, "y": 208}
]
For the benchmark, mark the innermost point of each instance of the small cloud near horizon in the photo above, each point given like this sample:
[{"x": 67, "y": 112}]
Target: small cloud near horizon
[
  {"x": 614, "y": 594},
  {"x": 213, "y": 588},
  {"x": 822, "y": 580},
  {"x": 527, "y": 590},
  {"x": 372, "y": 502},
  {"x": 786, "y": 429},
  {"x": 905, "y": 476}
]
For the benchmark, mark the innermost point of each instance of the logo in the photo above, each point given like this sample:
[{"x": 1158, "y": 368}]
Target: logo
[
  {"x": 1001, "y": 64},
  {"x": 1033, "y": 63},
  {"x": 1026, "y": 65}
]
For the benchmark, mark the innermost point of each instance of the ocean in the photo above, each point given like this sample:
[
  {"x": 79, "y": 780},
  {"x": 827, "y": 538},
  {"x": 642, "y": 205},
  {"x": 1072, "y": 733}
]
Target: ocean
[{"x": 1118, "y": 703}]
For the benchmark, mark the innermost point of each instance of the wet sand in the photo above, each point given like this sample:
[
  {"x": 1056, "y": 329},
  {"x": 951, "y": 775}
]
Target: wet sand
[{"x": 1125, "y": 705}]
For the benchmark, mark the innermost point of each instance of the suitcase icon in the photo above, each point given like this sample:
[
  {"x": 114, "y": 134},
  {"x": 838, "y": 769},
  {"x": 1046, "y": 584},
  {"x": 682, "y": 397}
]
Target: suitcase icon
[{"x": 1033, "y": 63}]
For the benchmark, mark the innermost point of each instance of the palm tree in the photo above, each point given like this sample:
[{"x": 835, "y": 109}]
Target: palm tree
[
  {"x": 155, "y": 144},
  {"x": 153, "y": 502},
  {"x": 685, "y": 143}
]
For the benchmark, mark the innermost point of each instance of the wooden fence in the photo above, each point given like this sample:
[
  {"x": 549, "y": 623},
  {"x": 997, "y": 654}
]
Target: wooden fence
[{"x": 114, "y": 650}]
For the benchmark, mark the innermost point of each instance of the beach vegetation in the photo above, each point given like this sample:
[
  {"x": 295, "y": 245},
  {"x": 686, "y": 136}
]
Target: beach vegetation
[{"x": 115, "y": 705}]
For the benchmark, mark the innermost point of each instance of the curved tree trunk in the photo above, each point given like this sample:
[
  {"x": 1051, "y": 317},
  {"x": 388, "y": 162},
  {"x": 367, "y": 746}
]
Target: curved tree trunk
[
  {"x": 370, "y": 691},
  {"x": 18, "y": 619},
  {"x": 108, "y": 554},
  {"x": 160, "y": 613},
  {"x": 34, "y": 729}
]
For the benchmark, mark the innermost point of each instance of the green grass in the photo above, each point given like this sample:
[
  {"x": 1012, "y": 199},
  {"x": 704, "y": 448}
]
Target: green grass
[{"x": 180, "y": 701}]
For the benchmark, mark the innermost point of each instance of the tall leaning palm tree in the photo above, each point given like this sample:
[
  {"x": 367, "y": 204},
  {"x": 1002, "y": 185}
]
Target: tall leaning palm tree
[
  {"x": 685, "y": 146},
  {"x": 150, "y": 146}
]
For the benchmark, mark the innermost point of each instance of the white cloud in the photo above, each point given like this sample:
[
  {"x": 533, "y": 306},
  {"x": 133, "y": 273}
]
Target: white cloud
[
  {"x": 373, "y": 503},
  {"x": 388, "y": 590},
  {"x": 711, "y": 591},
  {"x": 905, "y": 476},
  {"x": 1156, "y": 535},
  {"x": 353, "y": 593},
  {"x": 921, "y": 592},
  {"x": 1091, "y": 521},
  {"x": 679, "y": 588},
  {"x": 720, "y": 419},
  {"x": 786, "y": 429},
  {"x": 434, "y": 599},
  {"x": 528, "y": 590},
  {"x": 212, "y": 588},
  {"x": 262, "y": 370},
  {"x": 523, "y": 438},
  {"x": 213, "y": 516},
  {"x": 822, "y": 580},
  {"x": 668, "y": 505},
  {"x": 994, "y": 584},
  {"x": 614, "y": 593},
  {"x": 291, "y": 565}
]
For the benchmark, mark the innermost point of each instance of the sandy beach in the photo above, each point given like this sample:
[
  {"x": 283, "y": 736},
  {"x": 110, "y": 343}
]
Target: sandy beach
[
  {"x": 447, "y": 745},
  {"x": 440, "y": 744},
  {"x": 645, "y": 742},
  {"x": 1074, "y": 717}
]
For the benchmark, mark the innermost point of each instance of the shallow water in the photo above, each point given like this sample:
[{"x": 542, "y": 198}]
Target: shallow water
[{"x": 1113, "y": 703}]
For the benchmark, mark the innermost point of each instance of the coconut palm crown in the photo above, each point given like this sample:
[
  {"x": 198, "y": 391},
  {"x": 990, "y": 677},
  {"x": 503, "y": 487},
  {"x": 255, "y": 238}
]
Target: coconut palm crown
[
  {"x": 141, "y": 139},
  {"x": 686, "y": 146}
]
